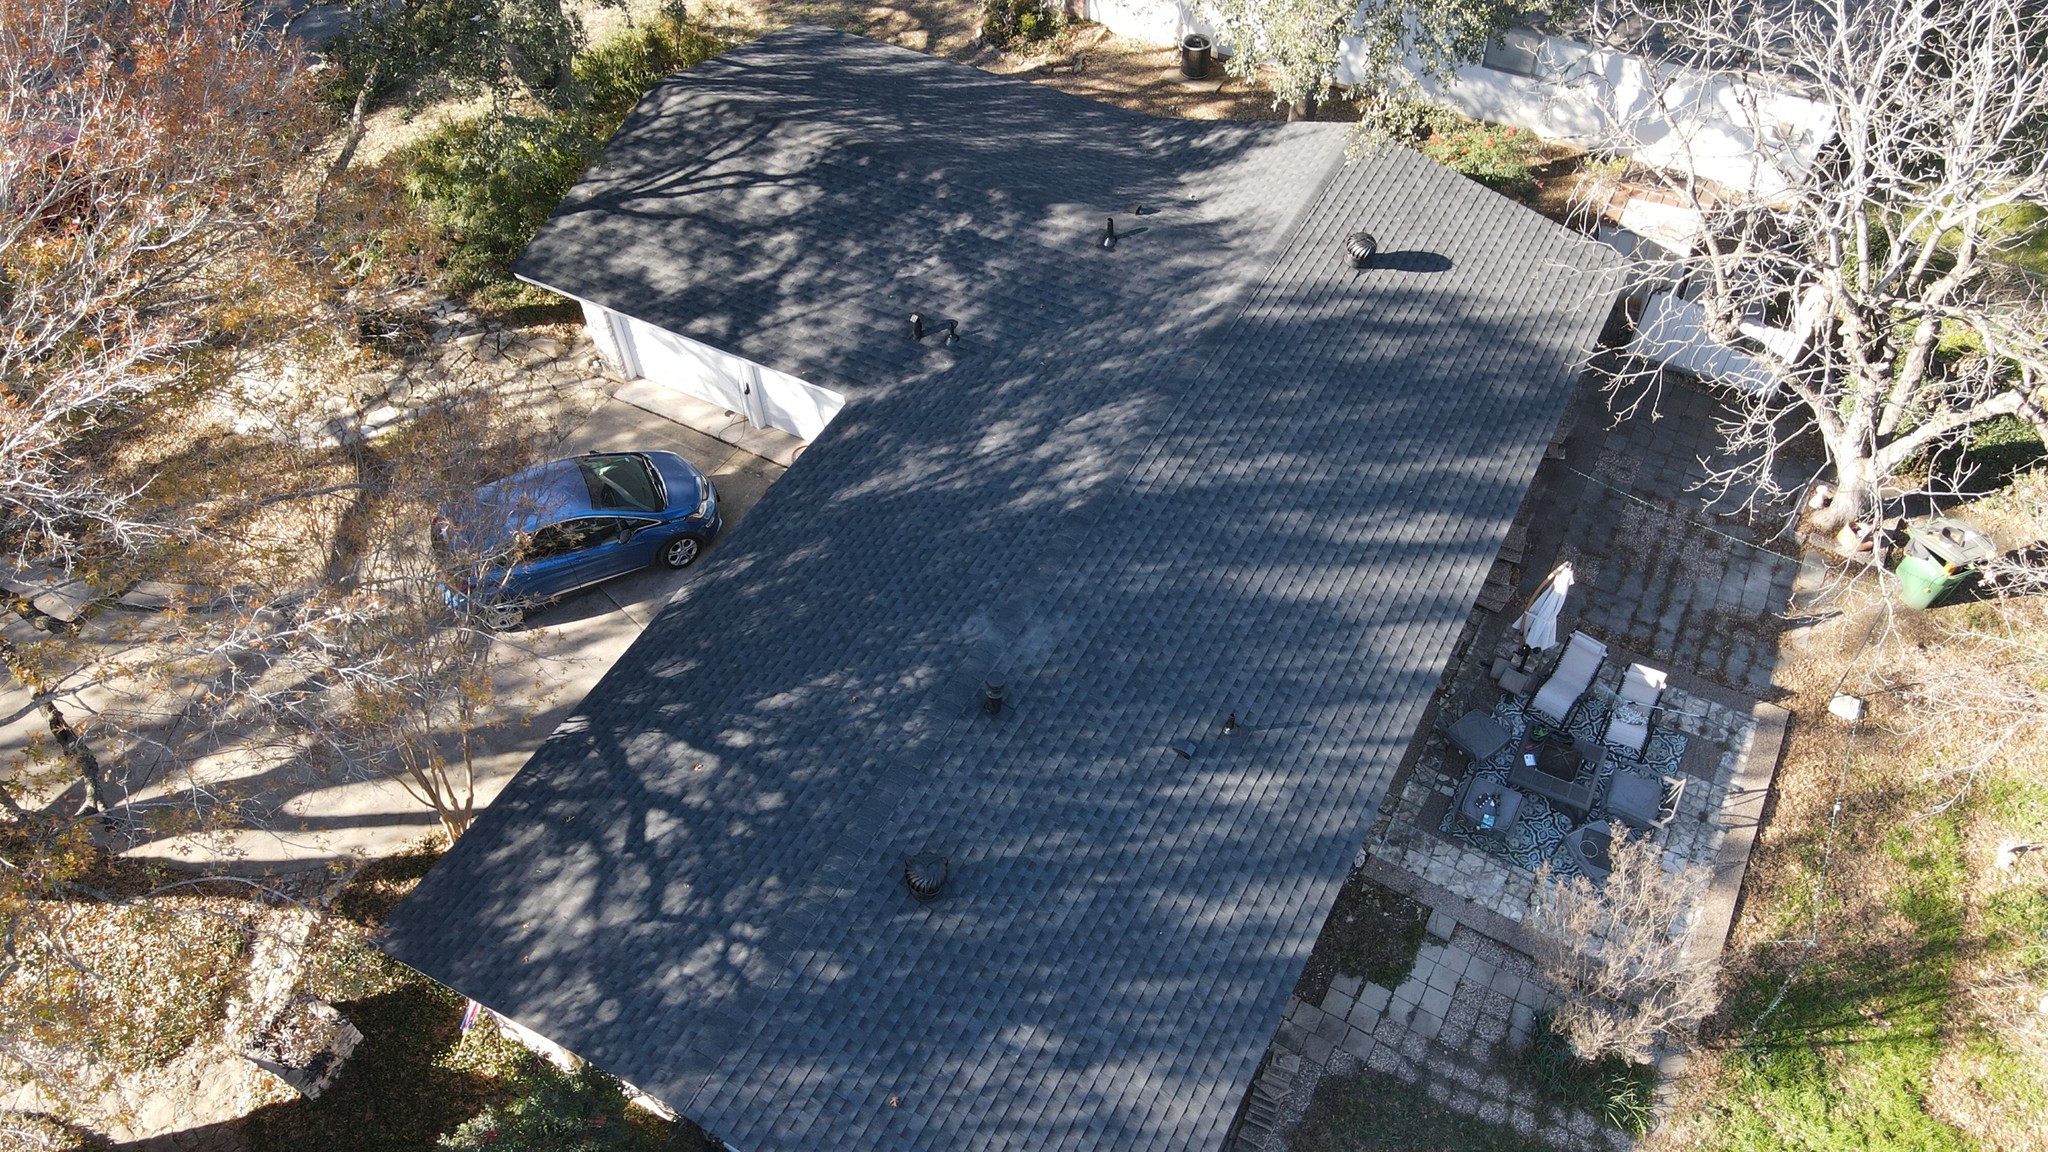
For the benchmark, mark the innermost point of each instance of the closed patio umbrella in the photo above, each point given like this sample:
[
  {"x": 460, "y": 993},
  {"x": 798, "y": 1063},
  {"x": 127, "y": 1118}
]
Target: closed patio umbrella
[{"x": 1539, "y": 622}]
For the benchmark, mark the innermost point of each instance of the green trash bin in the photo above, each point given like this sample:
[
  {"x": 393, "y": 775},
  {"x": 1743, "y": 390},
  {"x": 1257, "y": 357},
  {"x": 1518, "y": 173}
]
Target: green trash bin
[{"x": 1941, "y": 556}]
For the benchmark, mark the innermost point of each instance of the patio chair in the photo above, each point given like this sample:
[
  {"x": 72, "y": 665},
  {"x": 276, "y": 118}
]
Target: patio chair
[
  {"x": 1574, "y": 674},
  {"x": 1642, "y": 803},
  {"x": 1629, "y": 728}
]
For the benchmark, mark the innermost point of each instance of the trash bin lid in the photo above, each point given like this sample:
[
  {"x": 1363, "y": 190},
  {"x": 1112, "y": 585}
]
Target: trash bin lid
[{"x": 1953, "y": 542}]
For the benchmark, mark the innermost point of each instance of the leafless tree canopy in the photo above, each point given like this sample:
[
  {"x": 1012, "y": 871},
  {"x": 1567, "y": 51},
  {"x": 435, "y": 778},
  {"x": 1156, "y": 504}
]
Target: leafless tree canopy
[
  {"x": 1893, "y": 240},
  {"x": 143, "y": 148},
  {"x": 1617, "y": 954}
]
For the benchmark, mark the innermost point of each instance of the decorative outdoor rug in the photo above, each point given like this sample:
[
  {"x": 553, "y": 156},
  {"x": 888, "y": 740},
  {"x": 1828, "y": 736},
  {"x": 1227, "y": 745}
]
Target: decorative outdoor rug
[{"x": 1538, "y": 836}]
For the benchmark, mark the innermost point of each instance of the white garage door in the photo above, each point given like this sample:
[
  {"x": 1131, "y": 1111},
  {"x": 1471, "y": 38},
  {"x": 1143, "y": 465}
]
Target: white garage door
[{"x": 768, "y": 399}]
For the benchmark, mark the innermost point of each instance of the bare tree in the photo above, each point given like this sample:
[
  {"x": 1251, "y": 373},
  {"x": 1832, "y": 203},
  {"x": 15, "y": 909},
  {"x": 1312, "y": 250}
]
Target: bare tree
[
  {"x": 144, "y": 149},
  {"x": 1295, "y": 44},
  {"x": 1619, "y": 953},
  {"x": 1891, "y": 241},
  {"x": 359, "y": 661}
]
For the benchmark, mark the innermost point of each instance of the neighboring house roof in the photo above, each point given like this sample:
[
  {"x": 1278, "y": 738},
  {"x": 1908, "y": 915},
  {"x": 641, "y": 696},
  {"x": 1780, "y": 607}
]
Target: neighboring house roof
[{"x": 1214, "y": 470}]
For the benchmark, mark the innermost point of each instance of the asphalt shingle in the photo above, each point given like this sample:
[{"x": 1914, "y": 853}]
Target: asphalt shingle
[{"x": 1214, "y": 470}]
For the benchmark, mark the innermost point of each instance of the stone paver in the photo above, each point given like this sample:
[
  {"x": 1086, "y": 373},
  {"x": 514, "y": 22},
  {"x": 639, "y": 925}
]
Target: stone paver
[
  {"x": 1375, "y": 998},
  {"x": 1669, "y": 576},
  {"x": 1450, "y": 1033}
]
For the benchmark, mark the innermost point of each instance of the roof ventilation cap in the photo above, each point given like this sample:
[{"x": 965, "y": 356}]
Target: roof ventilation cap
[
  {"x": 926, "y": 874},
  {"x": 1361, "y": 246}
]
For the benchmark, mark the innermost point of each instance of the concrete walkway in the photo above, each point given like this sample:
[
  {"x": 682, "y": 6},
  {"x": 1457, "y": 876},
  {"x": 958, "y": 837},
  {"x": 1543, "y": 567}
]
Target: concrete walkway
[{"x": 542, "y": 671}]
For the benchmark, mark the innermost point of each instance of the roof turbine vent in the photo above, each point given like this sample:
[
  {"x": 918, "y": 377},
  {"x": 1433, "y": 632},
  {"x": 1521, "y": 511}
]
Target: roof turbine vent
[
  {"x": 926, "y": 874},
  {"x": 1360, "y": 247}
]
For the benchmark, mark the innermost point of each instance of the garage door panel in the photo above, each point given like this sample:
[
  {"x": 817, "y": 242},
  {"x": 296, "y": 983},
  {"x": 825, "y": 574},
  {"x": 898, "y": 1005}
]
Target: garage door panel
[
  {"x": 798, "y": 408},
  {"x": 688, "y": 367},
  {"x": 767, "y": 398}
]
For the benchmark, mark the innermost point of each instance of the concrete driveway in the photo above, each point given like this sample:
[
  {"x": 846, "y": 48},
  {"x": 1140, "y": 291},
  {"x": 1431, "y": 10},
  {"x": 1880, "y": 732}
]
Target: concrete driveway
[{"x": 542, "y": 670}]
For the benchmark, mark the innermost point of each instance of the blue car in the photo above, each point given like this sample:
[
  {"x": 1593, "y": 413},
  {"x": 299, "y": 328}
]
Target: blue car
[{"x": 548, "y": 531}]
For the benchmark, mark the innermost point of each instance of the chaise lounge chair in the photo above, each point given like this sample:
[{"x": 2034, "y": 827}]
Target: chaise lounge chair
[
  {"x": 1574, "y": 674},
  {"x": 1629, "y": 728}
]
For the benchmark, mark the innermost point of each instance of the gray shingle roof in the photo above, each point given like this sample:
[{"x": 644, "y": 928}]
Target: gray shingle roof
[{"x": 1214, "y": 470}]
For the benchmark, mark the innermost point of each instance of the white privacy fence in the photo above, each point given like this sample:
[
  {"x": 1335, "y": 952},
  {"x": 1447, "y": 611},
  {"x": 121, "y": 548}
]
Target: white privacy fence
[{"x": 1755, "y": 137}]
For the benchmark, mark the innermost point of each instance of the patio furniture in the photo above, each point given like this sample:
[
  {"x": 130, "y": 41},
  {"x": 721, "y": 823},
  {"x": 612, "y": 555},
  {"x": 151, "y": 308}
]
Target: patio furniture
[
  {"x": 1568, "y": 682},
  {"x": 1512, "y": 677},
  {"x": 1644, "y": 803},
  {"x": 1629, "y": 728},
  {"x": 1587, "y": 847},
  {"x": 1479, "y": 797},
  {"x": 1554, "y": 769},
  {"x": 1478, "y": 736}
]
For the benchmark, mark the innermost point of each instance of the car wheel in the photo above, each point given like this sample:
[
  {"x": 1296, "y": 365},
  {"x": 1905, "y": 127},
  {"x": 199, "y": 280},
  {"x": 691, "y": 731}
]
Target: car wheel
[
  {"x": 681, "y": 552},
  {"x": 502, "y": 617}
]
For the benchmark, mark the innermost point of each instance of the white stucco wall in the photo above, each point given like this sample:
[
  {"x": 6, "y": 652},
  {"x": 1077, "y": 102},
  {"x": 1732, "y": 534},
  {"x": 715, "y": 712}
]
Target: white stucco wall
[
  {"x": 1748, "y": 137},
  {"x": 1153, "y": 21},
  {"x": 1744, "y": 136},
  {"x": 597, "y": 322}
]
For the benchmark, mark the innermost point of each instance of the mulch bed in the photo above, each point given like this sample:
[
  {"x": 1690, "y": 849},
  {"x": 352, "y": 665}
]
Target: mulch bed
[{"x": 1373, "y": 933}]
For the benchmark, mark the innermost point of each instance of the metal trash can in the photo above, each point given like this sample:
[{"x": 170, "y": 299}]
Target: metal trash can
[
  {"x": 1194, "y": 56},
  {"x": 1941, "y": 556}
]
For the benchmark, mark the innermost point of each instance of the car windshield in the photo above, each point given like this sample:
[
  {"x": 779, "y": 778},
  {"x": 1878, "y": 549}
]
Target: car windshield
[{"x": 625, "y": 483}]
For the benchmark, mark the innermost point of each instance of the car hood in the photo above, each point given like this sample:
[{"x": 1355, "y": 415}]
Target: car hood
[{"x": 686, "y": 484}]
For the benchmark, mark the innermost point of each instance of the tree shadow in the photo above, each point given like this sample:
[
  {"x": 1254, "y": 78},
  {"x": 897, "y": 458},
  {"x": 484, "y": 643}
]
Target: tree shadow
[
  {"x": 396, "y": 1092},
  {"x": 1411, "y": 260}
]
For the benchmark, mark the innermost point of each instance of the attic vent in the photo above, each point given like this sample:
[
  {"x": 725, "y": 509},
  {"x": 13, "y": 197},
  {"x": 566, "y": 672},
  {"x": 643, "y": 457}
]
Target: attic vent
[
  {"x": 925, "y": 874},
  {"x": 1361, "y": 247}
]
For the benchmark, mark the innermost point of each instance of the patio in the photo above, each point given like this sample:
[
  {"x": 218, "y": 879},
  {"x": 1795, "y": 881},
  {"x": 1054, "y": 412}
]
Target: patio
[
  {"x": 1701, "y": 734},
  {"x": 1668, "y": 580}
]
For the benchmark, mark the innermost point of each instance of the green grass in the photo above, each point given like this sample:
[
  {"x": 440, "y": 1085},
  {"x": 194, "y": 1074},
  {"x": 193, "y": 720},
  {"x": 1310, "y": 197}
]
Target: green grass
[
  {"x": 2025, "y": 228},
  {"x": 1844, "y": 1062},
  {"x": 1372, "y": 1112},
  {"x": 409, "y": 1081},
  {"x": 416, "y": 1076},
  {"x": 1620, "y": 1093}
]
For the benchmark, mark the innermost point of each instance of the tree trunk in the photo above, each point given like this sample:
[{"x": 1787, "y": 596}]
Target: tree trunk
[
  {"x": 358, "y": 117},
  {"x": 1855, "y": 499},
  {"x": 80, "y": 755},
  {"x": 1302, "y": 109},
  {"x": 76, "y": 751}
]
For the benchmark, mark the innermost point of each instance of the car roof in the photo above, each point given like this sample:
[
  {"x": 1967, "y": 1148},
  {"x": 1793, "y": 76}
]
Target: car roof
[{"x": 524, "y": 502}]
